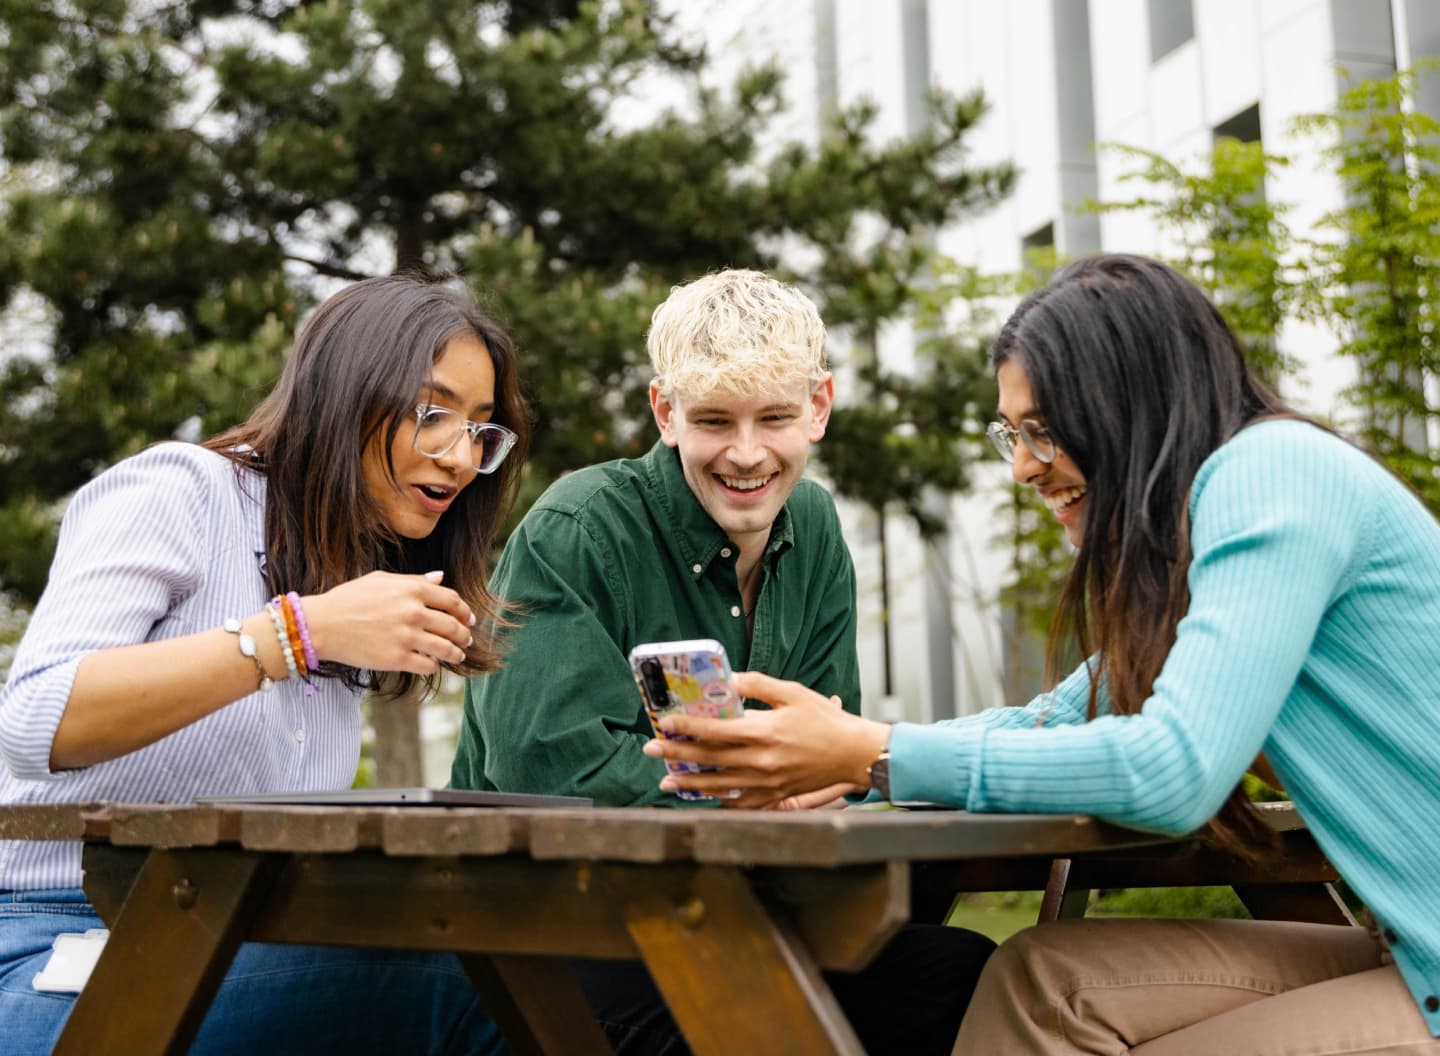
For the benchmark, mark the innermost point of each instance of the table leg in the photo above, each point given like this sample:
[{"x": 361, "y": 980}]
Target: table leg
[
  {"x": 537, "y": 1004},
  {"x": 1063, "y": 899},
  {"x": 737, "y": 979},
  {"x": 168, "y": 951}
]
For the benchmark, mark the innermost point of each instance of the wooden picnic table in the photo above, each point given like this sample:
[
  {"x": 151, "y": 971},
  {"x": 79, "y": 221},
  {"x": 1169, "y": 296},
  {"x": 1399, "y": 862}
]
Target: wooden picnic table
[{"x": 734, "y": 912}]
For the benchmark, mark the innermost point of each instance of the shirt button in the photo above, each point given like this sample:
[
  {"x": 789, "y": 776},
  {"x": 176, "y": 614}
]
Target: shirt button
[
  {"x": 696, "y": 569},
  {"x": 734, "y": 610},
  {"x": 1432, "y": 1003},
  {"x": 300, "y": 736},
  {"x": 724, "y": 551}
]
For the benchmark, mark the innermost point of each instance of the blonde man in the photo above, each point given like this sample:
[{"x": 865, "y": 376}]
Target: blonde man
[
  {"x": 714, "y": 533},
  {"x": 687, "y": 541}
]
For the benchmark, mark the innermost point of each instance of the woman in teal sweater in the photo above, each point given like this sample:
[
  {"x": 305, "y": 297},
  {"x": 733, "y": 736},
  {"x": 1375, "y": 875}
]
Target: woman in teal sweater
[{"x": 1245, "y": 582}]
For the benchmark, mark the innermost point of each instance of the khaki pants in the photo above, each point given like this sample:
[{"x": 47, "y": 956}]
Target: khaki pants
[{"x": 1192, "y": 988}]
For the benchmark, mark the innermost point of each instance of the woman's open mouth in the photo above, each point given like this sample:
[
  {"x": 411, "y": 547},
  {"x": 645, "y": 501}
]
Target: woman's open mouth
[
  {"x": 436, "y": 497},
  {"x": 1062, "y": 501}
]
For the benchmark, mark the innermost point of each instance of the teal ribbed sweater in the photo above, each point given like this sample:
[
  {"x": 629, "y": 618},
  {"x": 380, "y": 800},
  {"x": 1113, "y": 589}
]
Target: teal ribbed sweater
[{"x": 1313, "y": 634}]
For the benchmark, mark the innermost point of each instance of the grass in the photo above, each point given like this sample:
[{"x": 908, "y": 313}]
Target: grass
[
  {"x": 996, "y": 915},
  {"x": 1001, "y": 914}
]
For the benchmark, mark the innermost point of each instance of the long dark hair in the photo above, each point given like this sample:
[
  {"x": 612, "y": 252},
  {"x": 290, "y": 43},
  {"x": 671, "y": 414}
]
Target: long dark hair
[
  {"x": 350, "y": 382},
  {"x": 1140, "y": 380}
]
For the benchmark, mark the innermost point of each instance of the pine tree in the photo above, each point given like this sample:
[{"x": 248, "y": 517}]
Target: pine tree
[{"x": 191, "y": 176}]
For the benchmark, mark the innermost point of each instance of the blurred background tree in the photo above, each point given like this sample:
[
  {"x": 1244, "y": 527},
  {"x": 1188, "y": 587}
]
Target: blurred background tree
[
  {"x": 1369, "y": 270},
  {"x": 1039, "y": 557},
  {"x": 910, "y": 434},
  {"x": 1376, "y": 268},
  {"x": 184, "y": 179},
  {"x": 1232, "y": 237}
]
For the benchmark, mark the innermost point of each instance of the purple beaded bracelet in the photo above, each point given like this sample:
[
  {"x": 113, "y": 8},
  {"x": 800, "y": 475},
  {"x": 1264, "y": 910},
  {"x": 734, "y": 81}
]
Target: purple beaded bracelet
[{"x": 311, "y": 660}]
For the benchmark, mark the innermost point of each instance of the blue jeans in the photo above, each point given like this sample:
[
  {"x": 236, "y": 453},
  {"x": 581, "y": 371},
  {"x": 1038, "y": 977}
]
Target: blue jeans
[{"x": 274, "y": 1000}]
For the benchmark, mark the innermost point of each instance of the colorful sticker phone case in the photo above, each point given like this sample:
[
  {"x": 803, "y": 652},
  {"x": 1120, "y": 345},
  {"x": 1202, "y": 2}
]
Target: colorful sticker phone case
[{"x": 697, "y": 682}]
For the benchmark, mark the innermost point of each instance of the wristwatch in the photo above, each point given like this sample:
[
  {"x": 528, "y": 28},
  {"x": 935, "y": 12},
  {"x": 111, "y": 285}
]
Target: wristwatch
[{"x": 879, "y": 773}]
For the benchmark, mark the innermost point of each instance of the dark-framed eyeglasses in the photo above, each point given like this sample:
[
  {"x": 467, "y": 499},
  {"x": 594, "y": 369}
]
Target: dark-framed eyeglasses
[
  {"x": 1035, "y": 436},
  {"x": 437, "y": 429}
]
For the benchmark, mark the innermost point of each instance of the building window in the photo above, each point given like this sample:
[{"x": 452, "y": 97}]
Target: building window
[
  {"x": 1172, "y": 23},
  {"x": 1043, "y": 237},
  {"x": 1037, "y": 252},
  {"x": 1244, "y": 126}
]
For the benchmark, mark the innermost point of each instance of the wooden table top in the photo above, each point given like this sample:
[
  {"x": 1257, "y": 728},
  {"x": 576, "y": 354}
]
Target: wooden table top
[{"x": 758, "y": 838}]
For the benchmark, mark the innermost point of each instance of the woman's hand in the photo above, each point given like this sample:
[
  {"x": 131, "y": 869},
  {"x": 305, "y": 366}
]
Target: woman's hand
[
  {"x": 389, "y": 622},
  {"x": 803, "y": 745},
  {"x": 831, "y": 797}
]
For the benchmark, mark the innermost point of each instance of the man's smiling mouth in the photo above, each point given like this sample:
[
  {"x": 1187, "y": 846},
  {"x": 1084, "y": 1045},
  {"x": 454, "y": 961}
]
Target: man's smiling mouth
[{"x": 746, "y": 483}]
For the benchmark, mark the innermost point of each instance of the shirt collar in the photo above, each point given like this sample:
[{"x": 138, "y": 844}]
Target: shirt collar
[{"x": 699, "y": 537}]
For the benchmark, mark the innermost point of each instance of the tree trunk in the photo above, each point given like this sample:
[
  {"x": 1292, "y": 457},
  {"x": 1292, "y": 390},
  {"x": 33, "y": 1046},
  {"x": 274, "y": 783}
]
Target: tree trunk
[
  {"x": 410, "y": 236},
  {"x": 397, "y": 741}
]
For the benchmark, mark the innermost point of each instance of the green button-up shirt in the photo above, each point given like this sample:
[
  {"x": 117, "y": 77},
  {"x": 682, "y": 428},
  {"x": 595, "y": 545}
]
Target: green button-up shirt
[{"x": 623, "y": 553}]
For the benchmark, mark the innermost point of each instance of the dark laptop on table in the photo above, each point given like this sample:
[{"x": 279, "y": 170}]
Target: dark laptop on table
[{"x": 403, "y": 797}]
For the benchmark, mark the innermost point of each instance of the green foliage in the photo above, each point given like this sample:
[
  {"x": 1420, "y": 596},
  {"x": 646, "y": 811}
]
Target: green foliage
[
  {"x": 1232, "y": 237},
  {"x": 1260, "y": 792},
  {"x": 1039, "y": 558},
  {"x": 912, "y": 435},
  {"x": 127, "y": 226},
  {"x": 1376, "y": 278},
  {"x": 1000, "y": 914},
  {"x": 1372, "y": 278},
  {"x": 185, "y": 176},
  {"x": 12, "y": 626},
  {"x": 27, "y": 538},
  {"x": 1185, "y": 902},
  {"x": 997, "y": 914}
]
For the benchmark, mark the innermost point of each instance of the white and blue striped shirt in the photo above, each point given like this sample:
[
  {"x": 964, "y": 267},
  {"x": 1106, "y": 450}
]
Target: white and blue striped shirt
[{"x": 164, "y": 544}]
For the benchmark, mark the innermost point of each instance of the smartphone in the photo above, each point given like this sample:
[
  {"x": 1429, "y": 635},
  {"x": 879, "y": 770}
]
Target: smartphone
[{"x": 685, "y": 678}]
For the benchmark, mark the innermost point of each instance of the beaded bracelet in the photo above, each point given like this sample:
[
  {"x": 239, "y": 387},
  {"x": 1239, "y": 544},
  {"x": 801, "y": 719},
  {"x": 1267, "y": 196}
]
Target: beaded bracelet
[
  {"x": 311, "y": 660},
  {"x": 292, "y": 632},
  {"x": 305, "y": 658},
  {"x": 283, "y": 636}
]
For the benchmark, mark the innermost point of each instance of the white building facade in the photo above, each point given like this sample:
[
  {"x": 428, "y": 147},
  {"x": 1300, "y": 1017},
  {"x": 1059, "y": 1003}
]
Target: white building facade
[{"x": 1061, "y": 76}]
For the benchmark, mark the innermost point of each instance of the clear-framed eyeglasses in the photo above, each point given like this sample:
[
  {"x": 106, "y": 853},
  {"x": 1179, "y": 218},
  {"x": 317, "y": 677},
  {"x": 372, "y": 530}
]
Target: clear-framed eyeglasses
[
  {"x": 1034, "y": 435},
  {"x": 438, "y": 429}
]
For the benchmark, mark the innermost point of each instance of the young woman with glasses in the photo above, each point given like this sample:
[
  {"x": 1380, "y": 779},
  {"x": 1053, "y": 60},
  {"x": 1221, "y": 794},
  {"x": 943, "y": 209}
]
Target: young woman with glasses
[
  {"x": 213, "y": 614},
  {"x": 1245, "y": 582}
]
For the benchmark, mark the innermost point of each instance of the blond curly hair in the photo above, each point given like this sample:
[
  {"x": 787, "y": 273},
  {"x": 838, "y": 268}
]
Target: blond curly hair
[{"x": 735, "y": 333}]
